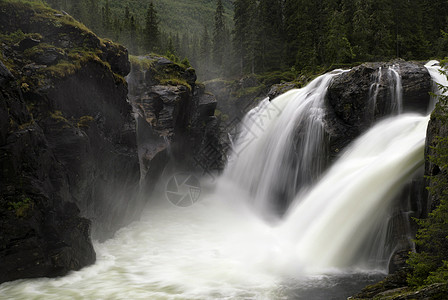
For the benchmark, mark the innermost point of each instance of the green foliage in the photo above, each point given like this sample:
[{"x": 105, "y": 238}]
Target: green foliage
[
  {"x": 429, "y": 264},
  {"x": 84, "y": 121},
  {"x": 186, "y": 63},
  {"x": 141, "y": 63},
  {"x": 151, "y": 31},
  {"x": 21, "y": 206}
]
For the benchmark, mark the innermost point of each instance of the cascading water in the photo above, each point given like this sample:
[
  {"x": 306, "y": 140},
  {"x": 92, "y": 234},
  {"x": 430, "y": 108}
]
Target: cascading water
[
  {"x": 221, "y": 248},
  {"x": 391, "y": 79},
  {"x": 438, "y": 78},
  {"x": 281, "y": 145},
  {"x": 396, "y": 92},
  {"x": 331, "y": 222}
]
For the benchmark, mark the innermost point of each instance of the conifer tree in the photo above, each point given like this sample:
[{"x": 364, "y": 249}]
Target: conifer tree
[
  {"x": 152, "y": 33},
  {"x": 218, "y": 35}
]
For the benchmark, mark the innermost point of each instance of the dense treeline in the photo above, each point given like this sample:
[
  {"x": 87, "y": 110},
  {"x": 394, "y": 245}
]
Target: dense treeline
[
  {"x": 138, "y": 34},
  {"x": 306, "y": 33},
  {"x": 267, "y": 35}
]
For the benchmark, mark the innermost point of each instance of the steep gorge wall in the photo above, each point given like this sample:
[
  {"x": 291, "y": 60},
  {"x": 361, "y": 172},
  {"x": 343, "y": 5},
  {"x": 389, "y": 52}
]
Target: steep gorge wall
[
  {"x": 177, "y": 129},
  {"x": 76, "y": 154},
  {"x": 65, "y": 128}
]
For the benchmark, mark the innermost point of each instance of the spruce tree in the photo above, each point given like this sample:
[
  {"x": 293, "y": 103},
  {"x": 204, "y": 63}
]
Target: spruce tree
[
  {"x": 218, "y": 35},
  {"x": 152, "y": 33},
  {"x": 205, "y": 49}
]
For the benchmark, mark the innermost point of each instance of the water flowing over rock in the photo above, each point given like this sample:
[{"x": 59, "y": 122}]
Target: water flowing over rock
[{"x": 365, "y": 94}]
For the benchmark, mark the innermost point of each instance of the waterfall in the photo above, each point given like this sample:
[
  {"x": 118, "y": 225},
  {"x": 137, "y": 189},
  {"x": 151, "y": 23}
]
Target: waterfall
[
  {"x": 281, "y": 147},
  {"x": 373, "y": 93},
  {"x": 438, "y": 79},
  {"x": 396, "y": 105},
  {"x": 387, "y": 83},
  {"x": 329, "y": 224},
  {"x": 220, "y": 248}
]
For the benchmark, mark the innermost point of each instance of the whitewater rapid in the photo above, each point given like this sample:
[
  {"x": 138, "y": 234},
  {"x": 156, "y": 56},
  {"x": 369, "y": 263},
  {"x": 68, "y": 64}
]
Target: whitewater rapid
[{"x": 220, "y": 248}]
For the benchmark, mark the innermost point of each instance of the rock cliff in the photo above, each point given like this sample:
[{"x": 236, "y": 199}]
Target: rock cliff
[
  {"x": 176, "y": 125},
  {"x": 65, "y": 127}
]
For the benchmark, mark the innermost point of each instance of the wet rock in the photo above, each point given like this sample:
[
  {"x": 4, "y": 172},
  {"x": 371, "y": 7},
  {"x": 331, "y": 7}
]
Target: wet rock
[
  {"x": 49, "y": 57},
  {"x": 27, "y": 43},
  {"x": 249, "y": 81},
  {"x": 278, "y": 89},
  {"x": 5, "y": 74},
  {"x": 207, "y": 105},
  {"x": 366, "y": 93},
  {"x": 437, "y": 128},
  {"x": 190, "y": 76},
  {"x": 392, "y": 282},
  {"x": 398, "y": 261},
  {"x": 117, "y": 56},
  {"x": 176, "y": 122}
]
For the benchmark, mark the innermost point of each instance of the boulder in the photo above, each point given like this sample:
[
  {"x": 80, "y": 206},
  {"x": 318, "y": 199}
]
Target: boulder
[{"x": 367, "y": 93}]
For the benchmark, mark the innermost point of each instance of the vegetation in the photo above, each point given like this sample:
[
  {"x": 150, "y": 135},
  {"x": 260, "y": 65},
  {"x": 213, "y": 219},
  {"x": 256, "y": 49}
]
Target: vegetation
[
  {"x": 307, "y": 34},
  {"x": 430, "y": 264},
  {"x": 169, "y": 74},
  {"x": 269, "y": 35},
  {"x": 21, "y": 207}
]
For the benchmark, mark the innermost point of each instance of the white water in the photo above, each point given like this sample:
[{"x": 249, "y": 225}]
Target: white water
[
  {"x": 221, "y": 248},
  {"x": 392, "y": 80},
  {"x": 281, "y": 145},
  {"x": 438, "y": 78},
  {"x": 396, "y": 90}
]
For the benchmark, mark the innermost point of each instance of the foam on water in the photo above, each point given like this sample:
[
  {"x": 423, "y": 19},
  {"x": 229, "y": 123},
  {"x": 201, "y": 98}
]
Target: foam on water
[{"x": 222, "y": 248}]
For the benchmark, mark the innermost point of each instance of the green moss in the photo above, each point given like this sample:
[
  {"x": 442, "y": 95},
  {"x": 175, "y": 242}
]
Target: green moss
[
  {"x": 21, "y": 206},
  {"x": 275, "y": 77},
  {"x": 84, "y": 121},
  {"x": 169, "y": 74},
  {"x": 62, "y": 69},
  {"x": 87, "y": 46},
  {"x": 141, "y": 63},
  {"x": 174, "y": 81},
  {"x": 250, "y": 91},
  {"x": 219, "y": 114},
  {"x": 40, "y": 48}
]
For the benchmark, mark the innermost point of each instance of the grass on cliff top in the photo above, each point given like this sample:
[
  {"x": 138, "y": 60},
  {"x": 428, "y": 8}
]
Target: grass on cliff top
[
  {"x": 87, "y": 48},
  {"x": 169, "y": 74},
  {"x": 42, "y": 13}
]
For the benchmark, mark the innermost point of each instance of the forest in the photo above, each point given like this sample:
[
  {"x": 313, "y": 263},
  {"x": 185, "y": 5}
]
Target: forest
[{"x": 268, "y": 35}]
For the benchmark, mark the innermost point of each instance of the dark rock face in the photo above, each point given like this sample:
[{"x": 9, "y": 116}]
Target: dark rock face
[
  {"x": 177, "y": 129},
  {"x": 437, "y": 127},
  {"x": 42, "y": 234},
  {"x": 366, "y": 93},
  {"x": 65, "y": 129}
]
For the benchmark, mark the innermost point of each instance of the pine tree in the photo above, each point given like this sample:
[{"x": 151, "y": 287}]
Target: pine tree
[
  {"x": 291, "y": 31},
  {"x": 218, "y": 35},
  {"x": 338, "y": 48},
  {"x": 152, "y": 33},
  {"x": 106, "y": 17},
  {"x": 270, "y": 34},
  {"x": 205, "y": 49}
]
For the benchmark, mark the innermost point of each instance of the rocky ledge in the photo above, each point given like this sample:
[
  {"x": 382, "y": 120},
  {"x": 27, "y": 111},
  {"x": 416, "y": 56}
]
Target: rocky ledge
[{"x": 177, "y": 126}]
